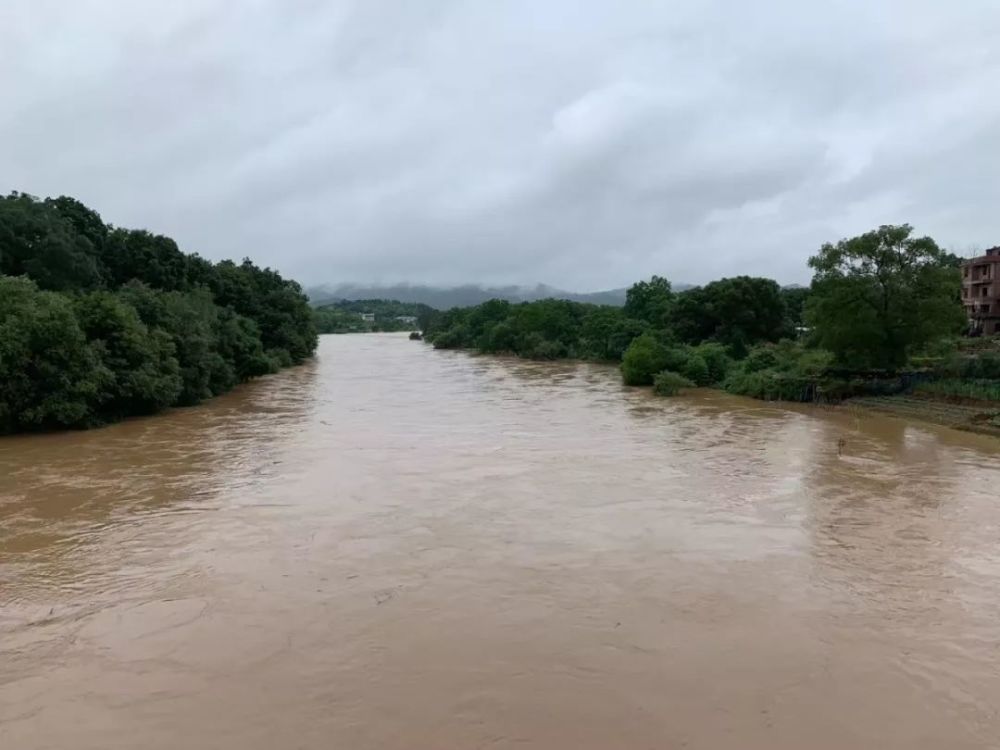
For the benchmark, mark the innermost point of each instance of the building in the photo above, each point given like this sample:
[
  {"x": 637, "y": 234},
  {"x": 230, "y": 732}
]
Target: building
[
  {"x": 367, "y": 317},
  {"x": 407, "y": 319},
  {"x": 981, "y": 292}
]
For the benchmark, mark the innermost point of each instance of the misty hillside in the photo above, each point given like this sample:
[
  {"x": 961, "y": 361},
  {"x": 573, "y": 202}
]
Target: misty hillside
[{"x": 443, "y": 298}]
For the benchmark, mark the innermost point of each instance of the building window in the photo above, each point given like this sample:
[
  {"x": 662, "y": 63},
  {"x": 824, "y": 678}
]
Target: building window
[{"x": 983, "y": 291}]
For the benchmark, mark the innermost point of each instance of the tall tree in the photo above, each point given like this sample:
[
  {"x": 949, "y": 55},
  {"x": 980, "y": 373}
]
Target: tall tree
[
  {"x": 49, "y": 375},
  {"x": 37, "y": 241},
  {"x": 795, "y": 302},
  {"x": 737, "y": 312},
  {"x": 145, "y": 376},
  {"x": 605, "y": 332},
  {"x": 877, "y": 296},
  {"x": 650, "y": 301}
]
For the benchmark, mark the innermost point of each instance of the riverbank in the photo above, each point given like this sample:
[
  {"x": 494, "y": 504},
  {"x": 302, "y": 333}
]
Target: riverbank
[
  {"x": 982, "y": 417},
  {"x": 910, "y": 396}
]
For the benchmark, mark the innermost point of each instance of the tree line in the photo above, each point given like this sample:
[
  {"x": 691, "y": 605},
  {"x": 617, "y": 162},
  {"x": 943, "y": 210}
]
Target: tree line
[
  {"x": 344, "y": 316},
  {"x": 876, "y": 303},
  {"x": 98, "y": 323}
]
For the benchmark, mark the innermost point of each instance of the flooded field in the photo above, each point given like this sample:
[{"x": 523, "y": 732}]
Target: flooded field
[{"x": 393, "y": 547}]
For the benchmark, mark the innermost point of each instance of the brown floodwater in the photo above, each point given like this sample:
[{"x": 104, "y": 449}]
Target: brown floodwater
[{"x": 393, "y": 547}]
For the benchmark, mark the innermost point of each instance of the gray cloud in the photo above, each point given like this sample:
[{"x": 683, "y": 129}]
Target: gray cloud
[{"x": 582, "y": 144}]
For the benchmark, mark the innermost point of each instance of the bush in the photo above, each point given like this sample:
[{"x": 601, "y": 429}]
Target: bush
[
  {"x": 769, "y": 385},
  {"x": 677, "y": 356},
  {"x": 696, "y": 370},
  {"x": 785, "y": 371},
  {"x": 669, "y": 383},
  {"x": 810, "y": 362},
  {"x": 759, "y": 358},
  {"x": 717, "y": 360},
  {"x": 452, "y": 338},
  {"x": 535, "y": 346},
  {"x": 500, "y": 337},
  {"x": 644, "y": 358}
]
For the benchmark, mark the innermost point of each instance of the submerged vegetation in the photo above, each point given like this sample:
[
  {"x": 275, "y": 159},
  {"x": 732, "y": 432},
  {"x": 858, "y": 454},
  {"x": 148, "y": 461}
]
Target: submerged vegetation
[
  {"x": 98, "y": 323},
  {"x": 669, "y": 383},
  {"x": 879, "y": 307}
]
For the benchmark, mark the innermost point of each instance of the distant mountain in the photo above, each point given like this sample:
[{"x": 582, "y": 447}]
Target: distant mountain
[{"x": 443, "y": 298}]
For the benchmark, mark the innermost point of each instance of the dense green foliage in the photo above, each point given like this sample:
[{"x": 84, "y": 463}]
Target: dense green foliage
[
  {"x": 787, "y": 370},
  {"x": 878, "y": 303},
  {"x": 390, "y": 315},
  {"x": 645, "y": 357},
  {"x": 736, "y": 312},
  {"x": 878, "y": 297},
  {"x": 547, "y": 329},
  {"x": 670, "y": 383},
  {"x": 795, "y": 298},
  {"x": 330, "y": 319},
  {"x": 558, "y": 328},
  {"x": 98, "y": 323},
  {"x": 650, "y": 301}
]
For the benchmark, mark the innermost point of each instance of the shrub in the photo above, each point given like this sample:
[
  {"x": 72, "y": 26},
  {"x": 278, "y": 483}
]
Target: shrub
[
  {"x": 717, "y": 360},
  {"x": 676, "y": 357},
  {"x": 785, "y": 371},
  {"x": 451, "y": 338},
  {"x": 759, "y": 358},
  {"x": 809, "y": 362},
  {"x": 696, "y": 370},
  {"x": 501, "y": 337},
  {"x": 535, "y": 346},
  {"x": 644, "y": 358},
  {"x": 669, "y": 383},
  {"x": 770, "y": 385}
]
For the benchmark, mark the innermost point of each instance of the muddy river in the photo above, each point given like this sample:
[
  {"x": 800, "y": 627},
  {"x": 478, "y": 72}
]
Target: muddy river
[{"x": 393, "y": 547}]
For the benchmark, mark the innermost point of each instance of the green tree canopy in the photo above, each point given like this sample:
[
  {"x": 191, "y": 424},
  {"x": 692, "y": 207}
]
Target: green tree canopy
[
  {"x": 795, "y": 303},
  {"x": 606, "y": 332},
  {"x": 643, "y": 359},
  {"x": 36, "y": 241},
  {"x": 145, "y": 376},
  {"x": 98, "y": 323},
  {"x": 650, "y": 301},
  {"x": 878, "y": 296},
  {"x": 737, "y": 312},
  {"x": 49, "y": 374}
]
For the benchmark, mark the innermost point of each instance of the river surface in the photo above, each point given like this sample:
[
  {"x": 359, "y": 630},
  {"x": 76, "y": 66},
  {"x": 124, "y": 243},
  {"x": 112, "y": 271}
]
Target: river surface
[{"x": 393, "y": 547}]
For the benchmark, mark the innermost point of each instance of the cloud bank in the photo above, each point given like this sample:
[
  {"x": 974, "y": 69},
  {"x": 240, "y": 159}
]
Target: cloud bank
[{"x": 579, "y": 143}]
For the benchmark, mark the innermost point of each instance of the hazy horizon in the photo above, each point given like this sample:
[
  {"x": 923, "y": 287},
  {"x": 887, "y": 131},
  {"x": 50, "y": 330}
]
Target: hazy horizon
[{"x": 582, "y": 145}]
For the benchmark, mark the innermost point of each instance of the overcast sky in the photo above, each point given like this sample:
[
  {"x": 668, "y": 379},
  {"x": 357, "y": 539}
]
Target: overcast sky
[{"x": 580, "y": 143}]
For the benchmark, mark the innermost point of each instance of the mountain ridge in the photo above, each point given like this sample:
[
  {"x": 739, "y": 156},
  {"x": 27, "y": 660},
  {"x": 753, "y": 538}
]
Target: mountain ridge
[{"x": 464, "y": 295}]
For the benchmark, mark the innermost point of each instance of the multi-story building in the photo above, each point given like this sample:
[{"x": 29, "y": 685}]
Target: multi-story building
[{"x": 981, "y": 292}]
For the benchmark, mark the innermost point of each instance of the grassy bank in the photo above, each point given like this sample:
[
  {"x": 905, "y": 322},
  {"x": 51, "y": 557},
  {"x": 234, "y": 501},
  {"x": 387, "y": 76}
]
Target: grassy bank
[{"x": 982, "y": 417}]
